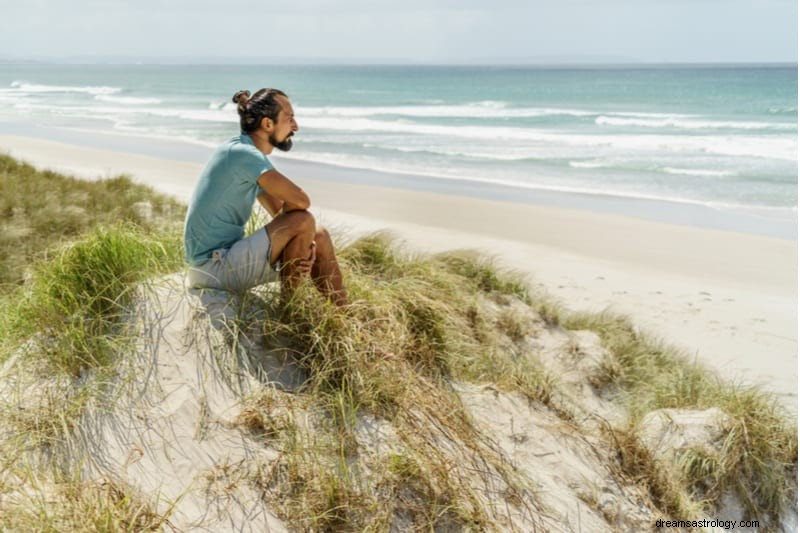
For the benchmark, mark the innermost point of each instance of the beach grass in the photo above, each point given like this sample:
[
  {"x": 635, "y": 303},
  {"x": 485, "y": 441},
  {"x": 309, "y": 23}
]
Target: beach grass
[
  {"x": 759, "y": 454},
  {"x": 40, "y": 209},
  {"x": 72, "y": 253},
  {"x": 416, "y": 325}
]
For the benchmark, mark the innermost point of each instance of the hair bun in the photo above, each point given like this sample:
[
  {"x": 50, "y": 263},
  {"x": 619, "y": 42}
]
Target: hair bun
[{"x": 241, "y": 97}]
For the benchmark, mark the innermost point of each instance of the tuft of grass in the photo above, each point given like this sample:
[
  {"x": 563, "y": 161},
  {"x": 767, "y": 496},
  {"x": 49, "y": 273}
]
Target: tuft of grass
[
  {"x": 41, "y": 209},
  {"x": 78, "y": 298},
  {"x": 759, "y": 455},
  {"x": 484, "y": 275},
  {"x": 639, "y": 465},
  {"x": 415, "y": 323},
  {"x": 52, "y": 506}
]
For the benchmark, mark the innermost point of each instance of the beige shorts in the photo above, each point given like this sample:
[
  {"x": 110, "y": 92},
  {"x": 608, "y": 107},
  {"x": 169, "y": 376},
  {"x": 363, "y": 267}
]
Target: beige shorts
[{"x": 238, "y": 268}]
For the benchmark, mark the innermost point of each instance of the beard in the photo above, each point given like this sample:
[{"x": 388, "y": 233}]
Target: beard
[{"x": 284, "y": 145}]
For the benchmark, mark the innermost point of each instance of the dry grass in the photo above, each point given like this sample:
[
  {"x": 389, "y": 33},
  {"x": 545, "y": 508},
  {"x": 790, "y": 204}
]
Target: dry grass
[
  {"x": 41, "y": 209},
  {"x": 759, "y": 457},
  {"x": 415, "y": 325}
]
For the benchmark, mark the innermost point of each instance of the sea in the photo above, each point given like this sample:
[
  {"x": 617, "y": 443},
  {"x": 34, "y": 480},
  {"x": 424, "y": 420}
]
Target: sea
[{"x": 722, "y": 138}]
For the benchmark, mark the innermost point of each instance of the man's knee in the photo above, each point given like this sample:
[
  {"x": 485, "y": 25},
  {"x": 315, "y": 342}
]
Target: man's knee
[
  {"x": 321, "y": 235},
  {"x": 302, "y": 222}
]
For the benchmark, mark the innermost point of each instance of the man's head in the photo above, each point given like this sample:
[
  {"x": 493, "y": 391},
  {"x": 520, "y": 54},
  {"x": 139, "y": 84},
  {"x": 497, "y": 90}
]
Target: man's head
[{"x": 269, "y": 113}]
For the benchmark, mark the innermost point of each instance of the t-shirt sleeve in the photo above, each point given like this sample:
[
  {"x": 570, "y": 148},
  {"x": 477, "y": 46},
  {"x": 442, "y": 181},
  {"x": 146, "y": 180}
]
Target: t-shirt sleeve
[{"x": 249, "y": 164}]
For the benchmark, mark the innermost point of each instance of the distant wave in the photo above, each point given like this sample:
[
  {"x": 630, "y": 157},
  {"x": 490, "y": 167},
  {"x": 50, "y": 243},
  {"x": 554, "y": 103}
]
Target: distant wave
[
  {"x": 626, "y": 164},
  {"x": 512, "y": 155},
  {"x": 784, "y": 147},
  {"x": 699, "y": 172},
  {"x": 128, "y": 100},
  {"x": 109, "y": 112},
  {"x": 692, "y": 124},
  {"x": 487, "y": 109},
  {"x": 593, "y": 164},
  {"x": 789, "y": 110},
  {"x": 535, "y": 141},
  {"x": 437, "y": 111},
  {"x": 37, "y": 88}
]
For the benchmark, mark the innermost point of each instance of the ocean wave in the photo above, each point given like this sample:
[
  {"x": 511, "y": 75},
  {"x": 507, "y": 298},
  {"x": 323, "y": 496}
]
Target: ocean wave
[
  {"x": 38, "y": 88},
  {"x": 784, "y": 147},
  {"x": 127, "y": 100},
  {"x": 522, "y": 154},
  {"x": 435, "y": 111},
  {"x": 593, "y": 164},
  {"x": 789, "y": 110},
  {"x": 537, "y": 142},
  {"x": 109, "y": 112},
  {"x": 628, "y": 164},
  {"x": 223, "y": 106},
  {"x": 699, "y": 172},
  {"x": 341, "y": 160},
  {"x": 487, "y": 109},
  {"x": 692, "y": 124}
]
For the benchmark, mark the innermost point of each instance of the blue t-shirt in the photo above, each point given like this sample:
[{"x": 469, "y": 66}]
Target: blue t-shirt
[{"x": 223, "y": 199}]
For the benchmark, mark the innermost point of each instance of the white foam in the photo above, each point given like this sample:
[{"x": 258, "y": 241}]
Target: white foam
[
  {"x": 603, "y": 189},
  {"x": 698, "y": 172},
  {"x": 127, "y": 100},
  {"x": 38, "y": 88},
  {"x": 486, "y": 109},
  {"x": 691, "y": 124},
  {"x": 620, "y": 163},
  {"x": 592, "y": 164},
  {"x": 109, "y": 112},
  {"x": 437, "y": 111},
  {"x": 783, "y": 147}
]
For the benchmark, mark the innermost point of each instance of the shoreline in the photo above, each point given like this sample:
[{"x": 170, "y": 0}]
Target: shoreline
[
  {"x": 729, "y": 299},
  {"x": 693, "y": 215}
]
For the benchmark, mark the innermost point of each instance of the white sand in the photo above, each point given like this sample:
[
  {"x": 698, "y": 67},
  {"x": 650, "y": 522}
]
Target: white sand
[{"x": 730, "y": 299}]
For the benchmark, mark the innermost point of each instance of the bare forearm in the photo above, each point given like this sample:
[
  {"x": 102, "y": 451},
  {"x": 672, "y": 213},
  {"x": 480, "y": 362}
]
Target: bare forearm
[
  {"x": 270, "y": 203},
  {"x": 289, "y": 206}
]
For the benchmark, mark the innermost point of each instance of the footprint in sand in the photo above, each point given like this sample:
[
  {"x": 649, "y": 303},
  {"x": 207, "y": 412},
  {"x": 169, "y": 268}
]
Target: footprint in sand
[
  {"x": 600, "y": 277},
  {"x": 728, "y": 300},
  {"x": 704, "y": 293}
]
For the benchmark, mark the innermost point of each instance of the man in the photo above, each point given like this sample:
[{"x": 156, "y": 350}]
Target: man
[{"x": 238, "y": 173}]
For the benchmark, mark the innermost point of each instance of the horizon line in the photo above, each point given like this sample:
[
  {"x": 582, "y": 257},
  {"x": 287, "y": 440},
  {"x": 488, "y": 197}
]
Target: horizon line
[{"x": 223, "y": 61}]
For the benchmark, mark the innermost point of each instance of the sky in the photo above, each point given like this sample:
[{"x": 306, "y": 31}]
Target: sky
[{"x": 407, "y": 31}]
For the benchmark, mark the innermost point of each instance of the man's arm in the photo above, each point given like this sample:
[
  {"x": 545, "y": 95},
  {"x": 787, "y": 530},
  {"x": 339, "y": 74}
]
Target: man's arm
[
  {"x": 280, "y": 190},
  {"x": 270, "y": 203}
]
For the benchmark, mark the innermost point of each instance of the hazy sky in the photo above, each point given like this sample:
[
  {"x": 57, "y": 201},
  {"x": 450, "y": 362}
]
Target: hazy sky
[{"x": 404, "y": 30}]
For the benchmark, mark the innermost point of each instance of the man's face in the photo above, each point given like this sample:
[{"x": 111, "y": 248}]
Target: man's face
[{"x": 285, "y": 126}]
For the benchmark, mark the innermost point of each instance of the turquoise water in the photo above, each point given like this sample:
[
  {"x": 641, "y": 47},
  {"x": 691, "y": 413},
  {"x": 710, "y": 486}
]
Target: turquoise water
[{"x": 725, "y": 138}]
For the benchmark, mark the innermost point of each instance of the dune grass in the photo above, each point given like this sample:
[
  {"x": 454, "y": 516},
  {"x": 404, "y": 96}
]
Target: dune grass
[
  {"x": 41, "y": 209},
  {"x": 75, "y": 302},
  {"x": 72, "y": 252},
  {"x": 416, "y": 324},
  {"x": 759, "y": 455},
  {"x": 48, "y": 505}
]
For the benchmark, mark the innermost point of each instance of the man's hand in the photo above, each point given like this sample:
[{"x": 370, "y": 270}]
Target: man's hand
[{"x": 304, "y": 265}]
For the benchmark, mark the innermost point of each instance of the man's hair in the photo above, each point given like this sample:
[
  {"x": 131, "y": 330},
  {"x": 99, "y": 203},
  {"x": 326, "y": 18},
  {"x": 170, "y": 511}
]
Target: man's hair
[{"x": 253, "y": 109}]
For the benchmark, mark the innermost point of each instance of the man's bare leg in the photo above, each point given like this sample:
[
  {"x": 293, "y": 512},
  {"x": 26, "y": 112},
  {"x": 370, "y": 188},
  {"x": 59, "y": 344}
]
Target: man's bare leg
[
  {"x": 325, "y": 271},
  {"x": 291, "y": 235}
]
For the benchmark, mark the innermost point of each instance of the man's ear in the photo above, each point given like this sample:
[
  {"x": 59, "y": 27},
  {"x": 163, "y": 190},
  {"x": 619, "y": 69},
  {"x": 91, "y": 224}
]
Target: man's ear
[{"x": 266, "y": 123}]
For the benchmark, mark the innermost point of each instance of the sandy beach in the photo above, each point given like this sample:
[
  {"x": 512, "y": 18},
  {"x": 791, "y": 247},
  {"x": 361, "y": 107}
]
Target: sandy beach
[{"x": 727, "y": 298}]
